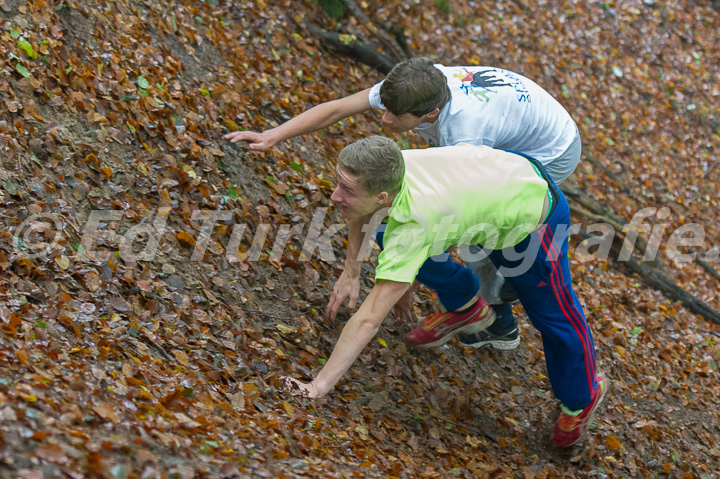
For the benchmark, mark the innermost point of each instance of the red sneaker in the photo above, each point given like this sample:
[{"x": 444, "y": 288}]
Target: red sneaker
[
  {"x": 571, "y": 425},
  {"x": 439, "y": 328}
]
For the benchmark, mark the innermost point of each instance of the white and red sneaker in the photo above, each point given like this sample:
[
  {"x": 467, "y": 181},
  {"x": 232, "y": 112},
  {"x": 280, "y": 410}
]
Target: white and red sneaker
[{"x": 439, "y": 328}]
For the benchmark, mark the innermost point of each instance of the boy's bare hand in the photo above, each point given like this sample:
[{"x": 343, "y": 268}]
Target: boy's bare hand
[
  {"x": 296, "y": 387},
  {"x": 403, "y": 309},
  {"x": 347, "y": 286},
  {"x": 258, "y": 141}
]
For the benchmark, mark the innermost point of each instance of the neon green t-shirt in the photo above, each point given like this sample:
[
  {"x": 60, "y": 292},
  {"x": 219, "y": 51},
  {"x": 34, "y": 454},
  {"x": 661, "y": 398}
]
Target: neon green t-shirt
[{"x": 458, "y": 195}]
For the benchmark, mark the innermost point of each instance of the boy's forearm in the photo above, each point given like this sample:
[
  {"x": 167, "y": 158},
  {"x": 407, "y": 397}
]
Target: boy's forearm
[
  {"x": 359, "y": 331},
  {"x": 320, "y": 116}
]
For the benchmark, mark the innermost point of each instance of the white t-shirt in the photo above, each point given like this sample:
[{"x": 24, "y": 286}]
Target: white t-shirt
[{"x": 498, "y": 108}]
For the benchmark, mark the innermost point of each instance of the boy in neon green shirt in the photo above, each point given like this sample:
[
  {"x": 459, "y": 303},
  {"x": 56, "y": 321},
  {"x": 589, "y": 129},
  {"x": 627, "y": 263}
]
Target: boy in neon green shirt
[{"x": 449, "y": 196}]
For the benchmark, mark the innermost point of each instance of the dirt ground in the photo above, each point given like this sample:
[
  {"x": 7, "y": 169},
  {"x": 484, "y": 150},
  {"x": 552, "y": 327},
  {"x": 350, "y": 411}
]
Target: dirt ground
[{"x": 171, "y": 367}]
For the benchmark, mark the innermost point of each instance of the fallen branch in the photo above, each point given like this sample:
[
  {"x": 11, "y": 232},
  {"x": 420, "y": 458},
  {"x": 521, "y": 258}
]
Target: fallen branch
[
  {"x": 706, "y": 266},
  {"x": 714, "y": 333},
  {"x": 355, "y": 48},
  {"x": 382, "y": 35},
  {"x": 661, "y": 281},
  {"x": 653, "y": 276},
  {"x": 594, "y": 212},
  {"x": 610, "y": 174}
]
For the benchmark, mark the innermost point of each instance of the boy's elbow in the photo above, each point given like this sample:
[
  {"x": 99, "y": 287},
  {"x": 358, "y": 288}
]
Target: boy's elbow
[
  {"x": 370, "y": 324},
  {"x": 368, "y": 331}
]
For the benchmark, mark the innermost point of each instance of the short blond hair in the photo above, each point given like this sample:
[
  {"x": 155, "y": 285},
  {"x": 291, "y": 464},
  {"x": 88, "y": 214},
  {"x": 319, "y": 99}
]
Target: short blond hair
[{"x": 378, "y": 163}]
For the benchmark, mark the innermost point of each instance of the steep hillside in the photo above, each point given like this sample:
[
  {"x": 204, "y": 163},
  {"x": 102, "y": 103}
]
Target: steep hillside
[{"x": 158, "y": 280}]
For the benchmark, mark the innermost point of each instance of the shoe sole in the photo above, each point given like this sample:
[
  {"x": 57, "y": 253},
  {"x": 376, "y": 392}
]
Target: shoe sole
[
  {"x": 474, "y": 327},
  {"x": 495, "y": 344}
]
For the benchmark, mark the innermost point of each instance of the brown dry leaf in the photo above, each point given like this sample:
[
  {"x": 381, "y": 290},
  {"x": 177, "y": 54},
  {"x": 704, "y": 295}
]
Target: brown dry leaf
[
  {"x": 279, "y": 188},
  {"x": 238, "y": 400},
  {"x": 120, "y": 304},
  {"x": 106, "y": 411},
  {"x": 52, "y": 453},
  {"x": 287, "y": 407},
  {"x": 263, "y": 211},
  {"x": 144, "y": 456},
  {"x": 215, "y": 151},
  {"x": 309, "y": 276},
  {"x": 92, "y": 281},
  {"x": 181, "y": 357},
  {"x": 8, "y": 414},
  {"x": 186, "y": 472},
  {"x": 22, "y": 355},
  {"x": 283, "y": 294}
]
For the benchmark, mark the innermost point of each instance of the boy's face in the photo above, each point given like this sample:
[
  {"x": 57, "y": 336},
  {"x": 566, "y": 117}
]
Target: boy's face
[
  {"x": 351, "y": 197},
  {"x": 407, "y": 121},
  {"x": 399, "y": 124}
]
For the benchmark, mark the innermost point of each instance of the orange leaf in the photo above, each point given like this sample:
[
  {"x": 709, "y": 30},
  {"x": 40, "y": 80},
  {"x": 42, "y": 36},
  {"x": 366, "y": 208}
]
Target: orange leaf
[
  {"x": 613, "y": 442},
  {"x": 22, "y": 355},
  {"x": 186, "y": 240}
]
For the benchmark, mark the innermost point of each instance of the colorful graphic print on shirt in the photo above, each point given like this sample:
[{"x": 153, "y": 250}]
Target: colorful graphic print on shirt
[{"x": 482, "y": 83}]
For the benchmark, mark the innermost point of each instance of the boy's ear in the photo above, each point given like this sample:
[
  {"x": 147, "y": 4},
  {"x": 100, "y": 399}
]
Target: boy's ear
[{"x": 433, "y": 114}]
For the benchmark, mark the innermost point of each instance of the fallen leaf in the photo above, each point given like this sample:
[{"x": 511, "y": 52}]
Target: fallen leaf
[
  {"x": 263, "y": 211},
  {"x": 120, "y": 304},
  {"x": 63, "y": 262},
  {"x": 52, "y": 453},
  {"x": 106, "y": 411},
  {"x": 613, "y": 443},
  {"x": 287, "y": 407},
  {"x": 186, "y": 241},
  {"x": 92, "y": 281},
  {"x": 144, "y": 456},
  {"x": 181, "y": 357}
]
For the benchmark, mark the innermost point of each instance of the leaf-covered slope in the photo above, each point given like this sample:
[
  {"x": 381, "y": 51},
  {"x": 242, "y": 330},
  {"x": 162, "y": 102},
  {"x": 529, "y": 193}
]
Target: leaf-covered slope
[{"x": 117, "y": 363}]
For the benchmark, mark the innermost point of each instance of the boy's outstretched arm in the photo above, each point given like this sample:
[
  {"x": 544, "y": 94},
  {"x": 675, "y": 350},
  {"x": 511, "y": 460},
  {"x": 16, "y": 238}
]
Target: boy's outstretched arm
[
  {"x": 356, "y": 334},
  {"x": 317, "y": 117}
]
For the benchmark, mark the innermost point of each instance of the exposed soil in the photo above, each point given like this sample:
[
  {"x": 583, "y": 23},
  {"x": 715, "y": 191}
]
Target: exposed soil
[{"x": 170, "y": 366}]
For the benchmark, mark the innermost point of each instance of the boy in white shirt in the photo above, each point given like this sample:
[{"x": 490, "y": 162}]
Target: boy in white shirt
[{"x": 447, "y": 106}]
